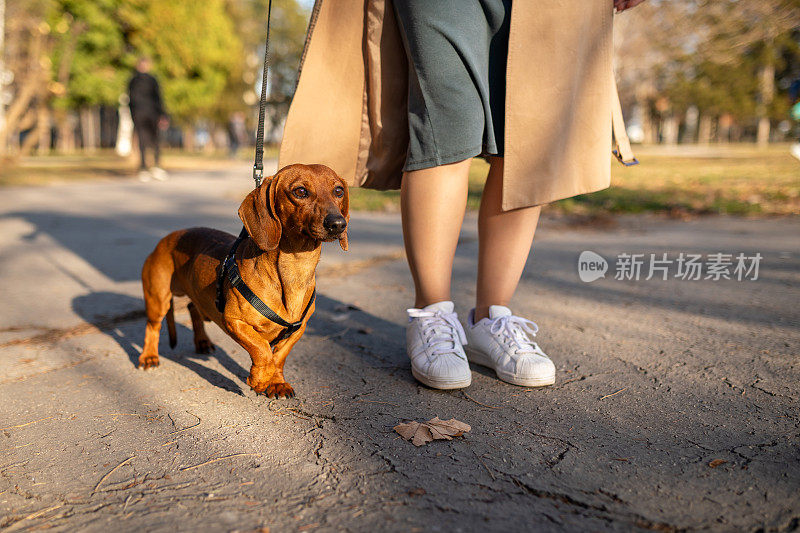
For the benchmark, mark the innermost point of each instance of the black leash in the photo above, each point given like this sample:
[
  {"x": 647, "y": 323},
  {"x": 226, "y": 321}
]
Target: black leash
[
  {"x": 258, "y": 167},
  {"x": 229, "y": 269}
]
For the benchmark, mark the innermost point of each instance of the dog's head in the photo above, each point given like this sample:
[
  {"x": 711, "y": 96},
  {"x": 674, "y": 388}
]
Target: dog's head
[{"x": 300, "y": 202}]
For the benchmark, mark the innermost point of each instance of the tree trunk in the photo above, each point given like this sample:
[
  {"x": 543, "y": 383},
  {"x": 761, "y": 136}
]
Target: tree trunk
[
  {"x": 736, "y": 133},
  {"x": 762, "y": 137},
  {"x": 89, "y": 129},
  {"x": 40, "y": 135},
  {"x": 669, "y": 130},
  {"x": 65, "y": 126},
  {"x": 188, "y": 139},
  {"x": 704, "y": 130},
  {"x": 690, "y": 122},
  {"x": 43, "y": 130},
  {"x": 643, "y": 93},
  {"x": 34, "y": 86},
  {"x": 766, "y": 93},
  {"x": 725, "y": 124},
  {"x": 19, "y": 108},
  {"x": 649, "y": 129}
]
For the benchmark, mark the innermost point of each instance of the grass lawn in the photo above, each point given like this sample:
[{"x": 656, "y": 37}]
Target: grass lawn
[
  {"x": 734, "y": 179},
  {"x": 678, "y": 181},
  {"x": 42, "y": 170}
]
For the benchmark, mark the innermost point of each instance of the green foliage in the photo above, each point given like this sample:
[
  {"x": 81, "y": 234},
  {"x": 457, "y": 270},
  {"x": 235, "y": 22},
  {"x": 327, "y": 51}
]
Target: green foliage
[
  {"x": 289, "y": 22},
  {"x": 287, "y": 38},
  {"x": 715, "y": 88},
  {"x": 194, "y": 46},
  {"x": 736, "y": 42},
  {"x": 98, "y": 70}
]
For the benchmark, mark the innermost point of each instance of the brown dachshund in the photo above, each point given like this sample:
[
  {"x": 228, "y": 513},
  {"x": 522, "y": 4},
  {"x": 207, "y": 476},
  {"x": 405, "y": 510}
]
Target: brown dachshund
[{"x": 286, "y": 218}]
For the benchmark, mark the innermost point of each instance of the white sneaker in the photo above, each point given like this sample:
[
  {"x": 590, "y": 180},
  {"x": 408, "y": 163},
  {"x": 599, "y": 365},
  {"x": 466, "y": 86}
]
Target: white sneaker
[
  {"x": 501, "y": 342},
  {"x": 434, "y": 342},
  {"x": 144, "y": 176},
  {"x": 159, "y": 174}
]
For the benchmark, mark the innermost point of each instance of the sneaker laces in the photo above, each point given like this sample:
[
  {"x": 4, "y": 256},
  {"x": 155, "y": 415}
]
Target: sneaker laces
[
  {"x": 440, "y": 330},
  {"x": 516, "y": 329}
]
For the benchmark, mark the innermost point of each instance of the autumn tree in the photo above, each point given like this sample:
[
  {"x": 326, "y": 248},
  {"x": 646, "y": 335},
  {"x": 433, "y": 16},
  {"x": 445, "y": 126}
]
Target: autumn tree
[
  {"x": 718, "y": 56},
  {"x": 90, "y": 64},
  {"x": 69, "y": 57},
  {"x": 649, "y": 43},
  {"x": 194, "y": 46},
  {"x": 76, "y": 55},
  {"x": 287, "y": 38},
  {"x": 752, "y": 31},
  {"x": 26, "y": 55}
]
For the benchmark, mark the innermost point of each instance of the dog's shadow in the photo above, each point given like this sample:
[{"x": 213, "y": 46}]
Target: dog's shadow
[{"x": 122, "y": 317}]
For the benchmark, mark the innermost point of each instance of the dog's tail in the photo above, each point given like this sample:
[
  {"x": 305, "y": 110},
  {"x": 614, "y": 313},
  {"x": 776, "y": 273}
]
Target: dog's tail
[{"x": 173, "y": 336}]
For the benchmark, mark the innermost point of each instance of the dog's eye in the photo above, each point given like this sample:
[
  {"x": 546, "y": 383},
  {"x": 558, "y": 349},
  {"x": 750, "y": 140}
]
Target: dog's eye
[
  {"x": 300, "y": 192},
  {"x": 338, "y": 192}
]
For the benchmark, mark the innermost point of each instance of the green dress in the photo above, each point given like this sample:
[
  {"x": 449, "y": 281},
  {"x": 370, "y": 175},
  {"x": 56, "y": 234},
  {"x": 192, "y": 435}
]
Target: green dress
[{"x": 457, "y": 51}]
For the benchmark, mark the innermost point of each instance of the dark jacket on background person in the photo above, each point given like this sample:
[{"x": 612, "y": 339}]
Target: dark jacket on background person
[{"x": 145, "y": 96}]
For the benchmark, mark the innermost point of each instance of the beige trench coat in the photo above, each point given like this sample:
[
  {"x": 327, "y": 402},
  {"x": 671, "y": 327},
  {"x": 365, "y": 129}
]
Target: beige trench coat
[{"x": 349, "y": 110}]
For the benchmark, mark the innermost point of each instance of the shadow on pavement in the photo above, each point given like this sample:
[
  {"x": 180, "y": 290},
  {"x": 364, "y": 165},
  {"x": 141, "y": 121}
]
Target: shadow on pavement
[
  {"x": 117, "y": 315},
  {"x": 97, "y": 308},
  {"x": 378, "y": 342},
  {"x": 117, "y": 247}
]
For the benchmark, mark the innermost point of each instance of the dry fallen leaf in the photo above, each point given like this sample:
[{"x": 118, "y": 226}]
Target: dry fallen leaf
[
  {"x": 420, "y": 433},
  {"x": 716, "y": 462}
]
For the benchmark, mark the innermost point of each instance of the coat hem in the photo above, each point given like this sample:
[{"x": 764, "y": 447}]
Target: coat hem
[{"x": 509, "y": 205}]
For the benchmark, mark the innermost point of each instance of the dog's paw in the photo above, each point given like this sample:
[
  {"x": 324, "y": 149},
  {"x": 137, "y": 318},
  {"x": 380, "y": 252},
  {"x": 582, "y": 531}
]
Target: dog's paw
[
  {"x": 279, "y": 390},
  {"x": 204, "y": 346},
  {"x": 148, "y": 361}
]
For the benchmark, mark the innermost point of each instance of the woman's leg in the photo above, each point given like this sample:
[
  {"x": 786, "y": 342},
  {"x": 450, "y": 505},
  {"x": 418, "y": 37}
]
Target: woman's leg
[
  {"x": 505, "y": 239},
  {"x": 432, "y": 202}
]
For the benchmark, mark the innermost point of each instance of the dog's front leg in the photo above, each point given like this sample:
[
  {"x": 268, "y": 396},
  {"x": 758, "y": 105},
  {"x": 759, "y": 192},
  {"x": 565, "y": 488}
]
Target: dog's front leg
[
  {"x": 281, "y": 351},
  {"x": 266, "y": 372}
]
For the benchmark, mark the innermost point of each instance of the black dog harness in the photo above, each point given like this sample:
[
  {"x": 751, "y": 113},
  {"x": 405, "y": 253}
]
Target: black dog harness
[{"x": 229, "y": 269}]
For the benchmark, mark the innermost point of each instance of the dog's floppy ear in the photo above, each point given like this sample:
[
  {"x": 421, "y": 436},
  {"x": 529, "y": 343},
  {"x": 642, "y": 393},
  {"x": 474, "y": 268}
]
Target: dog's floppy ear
[
  {"x": 259, "y": 217},
  {"x": 343, "y": 242}
]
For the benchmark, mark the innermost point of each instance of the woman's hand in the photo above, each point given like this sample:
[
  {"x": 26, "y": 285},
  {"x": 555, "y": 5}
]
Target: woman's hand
[{"x": 622, "y": 5}]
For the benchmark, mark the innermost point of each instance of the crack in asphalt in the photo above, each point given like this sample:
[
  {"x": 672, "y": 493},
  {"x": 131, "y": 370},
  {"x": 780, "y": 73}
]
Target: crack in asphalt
[{"x": 604, "y": 512}]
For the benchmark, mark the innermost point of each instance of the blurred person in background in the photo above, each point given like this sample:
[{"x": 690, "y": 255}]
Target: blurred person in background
[
  {"x": 237, "y": 133},
  {"x": 147, "y": 110}
]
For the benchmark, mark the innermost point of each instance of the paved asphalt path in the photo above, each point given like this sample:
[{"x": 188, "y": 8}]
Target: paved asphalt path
[{"x": 675, "y": 405}]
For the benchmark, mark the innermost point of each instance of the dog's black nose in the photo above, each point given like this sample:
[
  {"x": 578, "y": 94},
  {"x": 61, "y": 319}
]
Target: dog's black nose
[{"x": 334, "y": 223}]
